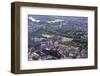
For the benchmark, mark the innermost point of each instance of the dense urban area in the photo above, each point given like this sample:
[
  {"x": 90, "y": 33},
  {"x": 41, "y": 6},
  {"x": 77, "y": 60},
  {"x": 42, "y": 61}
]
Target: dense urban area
[{"x": 57, "y": 37}]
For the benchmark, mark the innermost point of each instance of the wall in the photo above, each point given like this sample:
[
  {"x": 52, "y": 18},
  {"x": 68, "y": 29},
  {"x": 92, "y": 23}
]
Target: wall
[{"x": 5, "y": 33}]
